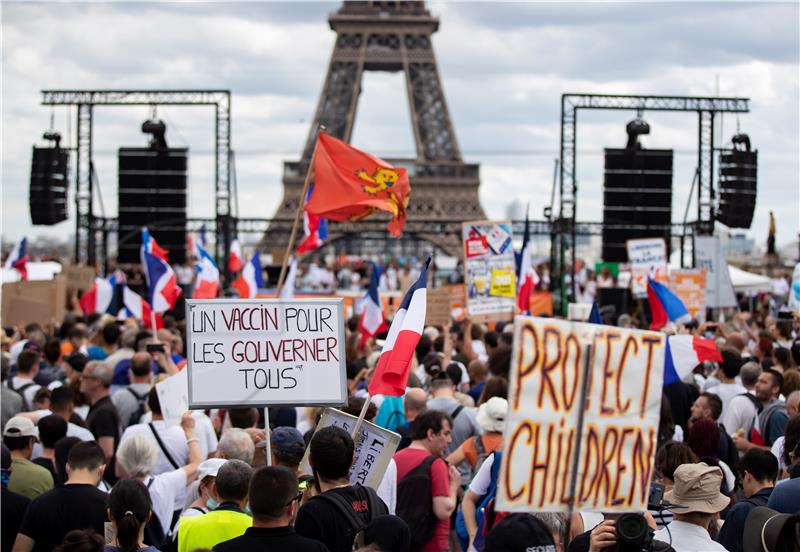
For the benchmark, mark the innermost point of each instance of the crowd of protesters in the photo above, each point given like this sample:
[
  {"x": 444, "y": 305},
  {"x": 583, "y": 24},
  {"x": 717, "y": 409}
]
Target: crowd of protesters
[{"x": 90, "y": 463}]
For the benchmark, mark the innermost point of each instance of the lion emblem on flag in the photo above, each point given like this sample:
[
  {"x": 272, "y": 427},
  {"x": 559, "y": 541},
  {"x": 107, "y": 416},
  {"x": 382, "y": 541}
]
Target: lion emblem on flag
[{"x": 381, "y": 180}]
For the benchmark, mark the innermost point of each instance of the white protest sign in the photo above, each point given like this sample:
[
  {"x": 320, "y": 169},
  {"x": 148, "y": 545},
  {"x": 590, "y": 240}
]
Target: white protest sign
[
  {"x": 648, "y": 258},
  {"x": 173, "y": 397},
  {"x": 616, "y": 449},
  {"x": 373, "y": 449},
  {"x": 708, "y": 256},
  {"x": 258, "y": 352}
]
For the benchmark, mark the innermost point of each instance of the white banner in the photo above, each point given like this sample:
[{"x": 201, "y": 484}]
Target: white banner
[
  {"x": 616, "y": 449},
  {"x": 708, "y": 256},
  {"x": 648, "y": 258},
  {"x": 173, "y": 396},
  {"x": 263, "y": 352},
  {"x": 373, "y": 449}
]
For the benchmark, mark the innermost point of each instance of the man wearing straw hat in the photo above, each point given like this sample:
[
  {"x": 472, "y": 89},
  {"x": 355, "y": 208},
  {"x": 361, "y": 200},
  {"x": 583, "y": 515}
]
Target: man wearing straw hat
[{"x": 695, "y": 499}]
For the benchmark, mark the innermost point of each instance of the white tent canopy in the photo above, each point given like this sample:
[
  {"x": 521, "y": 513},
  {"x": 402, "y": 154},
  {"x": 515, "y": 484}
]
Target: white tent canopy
[{"x": 747, "y": 282}]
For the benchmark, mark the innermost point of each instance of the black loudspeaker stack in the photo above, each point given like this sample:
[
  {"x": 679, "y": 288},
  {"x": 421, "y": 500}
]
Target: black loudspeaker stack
[
  {"x": 737, "y": 187},
  {"x": 637, "y": 198},
  {"x": 152, "y": 193},
  {"x": 48, "y": 189}
]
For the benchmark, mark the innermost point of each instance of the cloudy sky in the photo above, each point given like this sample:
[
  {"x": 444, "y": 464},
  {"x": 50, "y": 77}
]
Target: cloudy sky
[{"x": 504, "y": 67}]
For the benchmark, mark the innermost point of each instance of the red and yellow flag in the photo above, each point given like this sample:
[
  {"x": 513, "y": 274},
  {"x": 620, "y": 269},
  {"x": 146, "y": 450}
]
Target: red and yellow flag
[{"x": 350, "y": 185}]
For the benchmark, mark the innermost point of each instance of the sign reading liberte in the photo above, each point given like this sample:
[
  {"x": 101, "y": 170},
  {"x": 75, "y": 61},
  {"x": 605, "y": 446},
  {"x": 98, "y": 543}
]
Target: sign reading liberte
[
  {"x": 265, "y": 352},
  {"x": 617, "y": 446}
]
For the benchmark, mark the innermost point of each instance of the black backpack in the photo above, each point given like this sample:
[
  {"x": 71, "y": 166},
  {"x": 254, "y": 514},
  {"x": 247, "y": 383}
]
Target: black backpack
[
  {"x": 141, "y": 408},
  {"x": 357, "y": 525},
  {"x": 21, "y": 392},
  {"x": 153, "y": 531},
  {"x": 413, "y": 508}
]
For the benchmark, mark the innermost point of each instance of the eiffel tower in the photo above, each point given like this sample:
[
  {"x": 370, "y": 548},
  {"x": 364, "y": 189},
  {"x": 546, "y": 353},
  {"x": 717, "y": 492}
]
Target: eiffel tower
[{"x": 390, "y": 36}]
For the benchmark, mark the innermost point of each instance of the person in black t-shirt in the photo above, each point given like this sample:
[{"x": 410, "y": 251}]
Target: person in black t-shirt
[
  {"x": 274, "y": 499},
  {"x": 330, "y": 456},
  {"x": 13, "y": 505},
  {"x": 76, "y": 505},
  {"x": 103, "y": 420},
  {"x": 51, "y": 429}
]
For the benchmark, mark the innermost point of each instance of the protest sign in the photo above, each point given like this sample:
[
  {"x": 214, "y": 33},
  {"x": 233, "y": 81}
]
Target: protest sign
[
  {"x": 615, "y": 447},
  {"x": 579, "y": 312},
  {"x": 690, "y": 286},
  {"x": 374, "y": 447},
  {"x": 27, "y": 301},
  {"x": 173, "y": 396},
  {"x": 260, "y": 352},
  {"x": 438, "y": 310},
  {"x": 648, "y": 258},
  {"x": 708, "y": 256},
  {"x": 794, "y": 291},
  {"x": 79, "y": 278},
  {"x": 457, "y": 301},
  {"x": 489, "y": 270}
]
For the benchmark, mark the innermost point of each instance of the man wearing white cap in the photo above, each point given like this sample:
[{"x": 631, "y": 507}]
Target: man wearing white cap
[
  {"x": 204, "y": 489},
  {"x": 696, "y": 498},
  {"x": 27, "y": 478}
]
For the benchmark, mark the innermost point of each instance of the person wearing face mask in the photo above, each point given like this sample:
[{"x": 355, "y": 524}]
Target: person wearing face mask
[{"x": 206, "y": 490}]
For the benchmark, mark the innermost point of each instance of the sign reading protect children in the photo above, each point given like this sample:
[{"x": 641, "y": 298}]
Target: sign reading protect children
[
  {"x": 616, "y": 448},
  {"x": 265, "y": 352}
]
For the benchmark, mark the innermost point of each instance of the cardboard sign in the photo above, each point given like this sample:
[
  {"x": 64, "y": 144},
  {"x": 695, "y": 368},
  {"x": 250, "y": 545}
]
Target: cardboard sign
[
  {"x": 489, "y": 270},
  {"x": 457, "y": 301},
  {"x": 616, "y": 449},
  {"x": 79, "y": 278},
  {"x": 375, "y": 446},
  {"x": 41, "y": 301},
  {"x": 648, "y": 258},
  {"x": 173, "y": 396},
  {"x": 439, "y": 308},
  {"x": 708, "y": 257},
  {"x": 579, "y": 312},
  {"x": 690, "y": 287},
  {"x": 262, "y": 352}
]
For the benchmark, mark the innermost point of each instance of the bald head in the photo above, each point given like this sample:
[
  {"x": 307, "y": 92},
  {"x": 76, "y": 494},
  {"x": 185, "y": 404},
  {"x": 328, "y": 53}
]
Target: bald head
[
  {"x": 793, "y": 403},
  {"x": 414, "y": 402},
  {"x": 735, "y": 340}
]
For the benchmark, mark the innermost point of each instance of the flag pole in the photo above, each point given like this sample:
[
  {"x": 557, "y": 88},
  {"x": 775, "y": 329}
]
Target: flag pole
[
  {"x": 153, "y": 324},
  {"x": 268, "y": 452},
  {"x": 361, "y": 416},
  {"x": 298, "y": 214}
]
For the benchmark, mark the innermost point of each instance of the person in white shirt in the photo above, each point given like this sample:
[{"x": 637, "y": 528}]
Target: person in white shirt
[
  {"x": 741, "y": 411},
  {"x": 729, "y": 369},
  {"x": 696, "y": 491},
  {"x": 22, "y": 383}
]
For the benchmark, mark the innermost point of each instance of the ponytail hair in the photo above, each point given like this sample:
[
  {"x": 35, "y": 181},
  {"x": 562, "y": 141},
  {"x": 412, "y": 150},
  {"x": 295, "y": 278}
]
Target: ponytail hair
[{"x": 130, "y": 505}]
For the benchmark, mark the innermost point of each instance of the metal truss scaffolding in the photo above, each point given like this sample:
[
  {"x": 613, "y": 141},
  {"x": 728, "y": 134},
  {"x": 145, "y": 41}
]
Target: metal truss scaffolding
[
  {"x": 564, "y": 228},
  {"x": 87, "y": 225}
]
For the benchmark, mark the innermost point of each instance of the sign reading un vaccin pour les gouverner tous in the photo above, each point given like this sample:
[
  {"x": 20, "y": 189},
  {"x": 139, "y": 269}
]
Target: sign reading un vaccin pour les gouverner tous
[
  {"x": 616, "y": 451},
  {"x": 265, "y": 352}
]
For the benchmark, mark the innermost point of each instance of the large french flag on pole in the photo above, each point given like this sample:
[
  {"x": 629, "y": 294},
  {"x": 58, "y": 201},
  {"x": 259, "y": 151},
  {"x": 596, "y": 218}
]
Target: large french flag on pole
[
  {"x": 18, "y": 258},
  {"x": 315, "y": 228},
  {"x": 372, "y": 322},
  {"x": 251, "y": 278},
  {"x": 684, "y": 353},
  {"x": 100, "y": 297},
  {"x": 207, "y": 283},
  {"x": 664, "y": 306},
  {"x": 394, "y": 364},
  {"x": 162, "y": 287}
]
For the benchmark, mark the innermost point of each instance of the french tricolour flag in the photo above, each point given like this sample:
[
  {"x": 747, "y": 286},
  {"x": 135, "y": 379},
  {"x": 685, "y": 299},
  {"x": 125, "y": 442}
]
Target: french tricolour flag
[
  {"x": 684, "y": 352},
  {"x": 527, "y": 276},
  {"x": 207, "y": 283},
  {"x": 18, "y": 258},
  {"x": 315, "y": 227},
  {"x": 100, "y": 297},
  {"x": 162, "y": 287},
  {"x": 391, "y": 373},
  {"x": 251, "y": 279},
  {"x": 664, "y": 306},
  {"x": 372, "y": 322},
  {"x": 235, "y": 257},
  {"x": 151, "y": 246},
  {"x": 135, "y": 305}
]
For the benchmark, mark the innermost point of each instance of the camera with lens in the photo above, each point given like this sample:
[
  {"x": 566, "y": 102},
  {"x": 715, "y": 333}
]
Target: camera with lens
[{"x": 633, "y": 532}]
